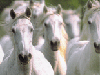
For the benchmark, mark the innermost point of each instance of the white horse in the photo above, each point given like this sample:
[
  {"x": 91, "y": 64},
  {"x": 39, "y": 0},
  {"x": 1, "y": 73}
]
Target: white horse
[
  {"x": 72, "y": 26},
  {"x": 20, "y": 7},
  {"x": 37, "y": 16},
  {"x": 90, "y": 4},
  {"x": 85, "y": 61},
  {"x": 24, "y": 59},
  {"x": 6, "y": 43},
  {"x": 84, "y": 37},
  {"x": 55, "y": 40},
  {"x": 72, "y": 22}
]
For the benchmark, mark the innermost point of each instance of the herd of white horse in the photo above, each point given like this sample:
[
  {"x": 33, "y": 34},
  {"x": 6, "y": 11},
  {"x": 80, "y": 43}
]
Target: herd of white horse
[{"x": 45, "y": 40}]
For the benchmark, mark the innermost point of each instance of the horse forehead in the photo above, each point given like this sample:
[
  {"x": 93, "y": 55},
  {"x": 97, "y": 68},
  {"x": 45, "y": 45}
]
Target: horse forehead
[
  {"x": 72, "y": 18},
  {"x": 76, "y": 18},
  {"x": 37, "y": 5},
  {"x": 94, "y": 17},
  {"x": 24, "y": 22},
  {"x": 56, "y": 18}
]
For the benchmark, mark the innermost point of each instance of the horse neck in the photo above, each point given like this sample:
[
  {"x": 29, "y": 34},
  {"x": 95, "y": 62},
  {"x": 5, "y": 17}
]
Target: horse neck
[
  {"x": 51, "y": 56},
  {"x": 90, "y": 55},
  {"x": 85, "y": 34},
  {"x": 37, "y": 22},
  {"x": 63, "y": 43},
  {"x": 47, "y": 50},
  {"x": 38, "y": 32},
  {"x": 93, "y": 55}
]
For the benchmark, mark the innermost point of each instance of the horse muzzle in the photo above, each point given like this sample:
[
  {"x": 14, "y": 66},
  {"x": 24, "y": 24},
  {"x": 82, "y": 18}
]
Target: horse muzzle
[
  {"x": 24, "y": 59},
  {"x": 54, "y": 45},
  {"x": 97, "y": 47}
]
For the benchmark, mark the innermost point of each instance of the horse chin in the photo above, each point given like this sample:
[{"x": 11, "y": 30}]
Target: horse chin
[
  {"x": 24, "y": 60},
  {"x": 54, "y": 48},
  {"x": 97, "y": 51},
  {"x": 24, "y": 63}
]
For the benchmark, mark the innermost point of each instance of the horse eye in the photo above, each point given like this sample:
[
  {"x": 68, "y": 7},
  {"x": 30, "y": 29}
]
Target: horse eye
[
  {"x": 45, "y": 24},
  {"x": 89, "y": 22},
  {"x": 67, "y": 24},
  {"x": 31, "y": 29},
  {"x": 61, "y": 23},
  {"x": 13, "y": 30}
]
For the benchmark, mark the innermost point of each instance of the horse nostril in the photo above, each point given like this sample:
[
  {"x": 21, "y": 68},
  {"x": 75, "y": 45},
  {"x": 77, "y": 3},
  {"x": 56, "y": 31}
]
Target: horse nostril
[
  {"x": 54, "y": 43},
  {"x": 95, "y": 45},
  {"x": 30, "y": 55},
  {"x": 43, "y": 35},
  {"x": 51, "y": 43},
  {"x": 23, "y": 58}
]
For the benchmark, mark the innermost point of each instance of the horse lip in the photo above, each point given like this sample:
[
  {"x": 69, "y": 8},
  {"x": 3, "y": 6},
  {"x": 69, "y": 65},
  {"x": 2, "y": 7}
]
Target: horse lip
[
  {"x": 24, "y": 63},
  {"x": 24, "y": 59},
  {"x": 54, "y": 48}
]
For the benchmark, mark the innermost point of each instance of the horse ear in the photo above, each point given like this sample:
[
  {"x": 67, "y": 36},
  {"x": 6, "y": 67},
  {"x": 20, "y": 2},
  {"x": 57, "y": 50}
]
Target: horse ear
[
  {"x": 12, "y": 14},
  {"x": 59, "y": 9},
  {"x": 45, "y": 10},
  {"x": 89, "y": 4},
  {"x": 28, "y": 12},
  {"x": 31, "y": 3}
]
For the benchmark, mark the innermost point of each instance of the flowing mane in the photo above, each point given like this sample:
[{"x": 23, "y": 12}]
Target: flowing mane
[{"x": 64, "y": 42}]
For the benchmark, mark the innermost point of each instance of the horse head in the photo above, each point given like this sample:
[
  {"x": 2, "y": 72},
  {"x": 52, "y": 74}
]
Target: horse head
[
  {"x": 93, "y": 24},
  {"x": 22, "y": 30},
  {"x": 52, "y": 27}
]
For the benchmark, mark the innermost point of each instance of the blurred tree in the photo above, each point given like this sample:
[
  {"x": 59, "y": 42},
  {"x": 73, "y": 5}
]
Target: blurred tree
[
  {"x": 4, "y": 3},
  {"x": 66, "y": 4}
]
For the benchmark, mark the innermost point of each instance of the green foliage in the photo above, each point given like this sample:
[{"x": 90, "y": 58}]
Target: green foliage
[
  {"x": 4, "y": 4},
  {"x": 66, "y": 4}
]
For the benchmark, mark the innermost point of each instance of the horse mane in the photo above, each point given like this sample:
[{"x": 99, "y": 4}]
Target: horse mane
[
  {"x": 85, "y": 32},
  {"x": 68, "y": 12},
  {"x": 63, "y": 43}
]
